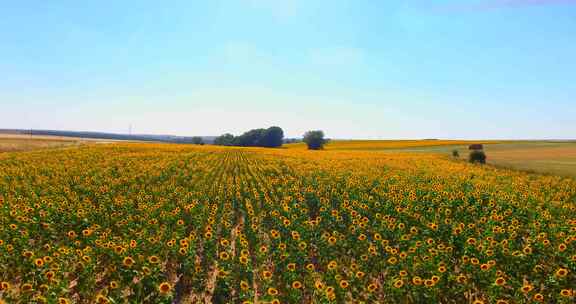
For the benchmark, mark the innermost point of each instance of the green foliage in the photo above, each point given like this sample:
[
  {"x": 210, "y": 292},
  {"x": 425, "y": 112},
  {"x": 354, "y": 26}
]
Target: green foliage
[
  {"x": 197, "y": 140},
  {"x": 477, "y": 157},
  {"x": 271, "y": 138},
  {"x": 455, "y": 153},
  {"x": 315, "y": 140},
  {"x": 225, "y": 140}
]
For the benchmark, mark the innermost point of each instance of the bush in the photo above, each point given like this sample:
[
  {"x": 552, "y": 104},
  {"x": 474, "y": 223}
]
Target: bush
[
  {"x": 477, "y": 157},
  {"x": 315, "y": 140},
  {"x": 455, "y": 154}
]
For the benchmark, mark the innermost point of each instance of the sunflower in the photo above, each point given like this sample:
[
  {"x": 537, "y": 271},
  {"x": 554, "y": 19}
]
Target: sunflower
[
  {"x": 274, "y": 234},
  {"x": 527, "y": 288},
  {"x": 266, "y": 274},
  {"x": 332, "y": 265},
  {"x": 243, "y": 259},
  {"x": 398, "y": 284},
  {"x": 562, "y": 272},
  {"x": 538, "y": 297},
  {"x": 113, "y": 285},
  {"x": 26, "y": 287},
  {"x": 296, "y": 285},
  {"x": 244, "y": 285},
  {"x": 101, "y": 299},
  {"x": 128, "y": 261},
  {"x": 332, "y": 240},
  {"x": 224, "y": 256},
  {"x": 153, "y": 259},
  {"x": 49, "y": 275},
  {"x": 272, "y": 291},
  {"x": 417, "y": 281},
  {"x": 500, "y": 281},
  {"x": 344, "y": 284},
  {"x": 372, "y": 287},
  {"x": 164, "y": 288},
  {"x": 566, "y": 293},
  {"x": 39, "y": 262}
]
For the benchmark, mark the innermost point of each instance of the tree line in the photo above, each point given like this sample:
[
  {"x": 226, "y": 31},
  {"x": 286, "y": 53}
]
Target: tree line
[{"x": 272, "y": 137}]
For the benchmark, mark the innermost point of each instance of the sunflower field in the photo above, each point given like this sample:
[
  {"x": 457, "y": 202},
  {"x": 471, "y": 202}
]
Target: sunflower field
[{"x": 152, "y": 223}]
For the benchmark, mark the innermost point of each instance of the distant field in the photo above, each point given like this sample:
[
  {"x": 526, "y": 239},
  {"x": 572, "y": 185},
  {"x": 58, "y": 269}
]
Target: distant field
[
  {"x": 375, "y": 145},
  {"x": 15, "y": 142},
  {"x": 549, "y": 157},
  {"x": 557, "y": 158}
]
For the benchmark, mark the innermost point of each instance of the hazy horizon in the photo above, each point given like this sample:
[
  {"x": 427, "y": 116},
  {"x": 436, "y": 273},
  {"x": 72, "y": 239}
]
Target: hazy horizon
[{"x": 491, "y": 69}]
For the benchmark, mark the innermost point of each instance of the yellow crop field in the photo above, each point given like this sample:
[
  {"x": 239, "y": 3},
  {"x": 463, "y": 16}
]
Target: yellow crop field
[
  {"x": 152, "y": 223},
  {"x": 373, "y": 145}
]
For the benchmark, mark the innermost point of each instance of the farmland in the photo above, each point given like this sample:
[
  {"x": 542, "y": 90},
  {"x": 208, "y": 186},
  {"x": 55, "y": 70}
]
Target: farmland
[
  {"x": 549, "y": 157},
  {"x": 167, "y": 223},
  {"x": 546, "y": 157},
  {"x": 384, "y": 145},
  {"x": 17, "y": 142}
]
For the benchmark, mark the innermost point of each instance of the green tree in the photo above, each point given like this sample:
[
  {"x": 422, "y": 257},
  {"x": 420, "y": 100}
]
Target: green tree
[
  {"x": 225, "y": 140},
  {"x": 273, "y": 137},
  {"x": 197, "y": 140},
  {"x": 315, "y": 140},
  {"x": 477, "y": 157}
]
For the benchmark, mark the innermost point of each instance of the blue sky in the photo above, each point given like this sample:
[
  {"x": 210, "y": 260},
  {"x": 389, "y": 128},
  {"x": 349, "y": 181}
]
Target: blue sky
[{"x": 356, "y": 69}]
